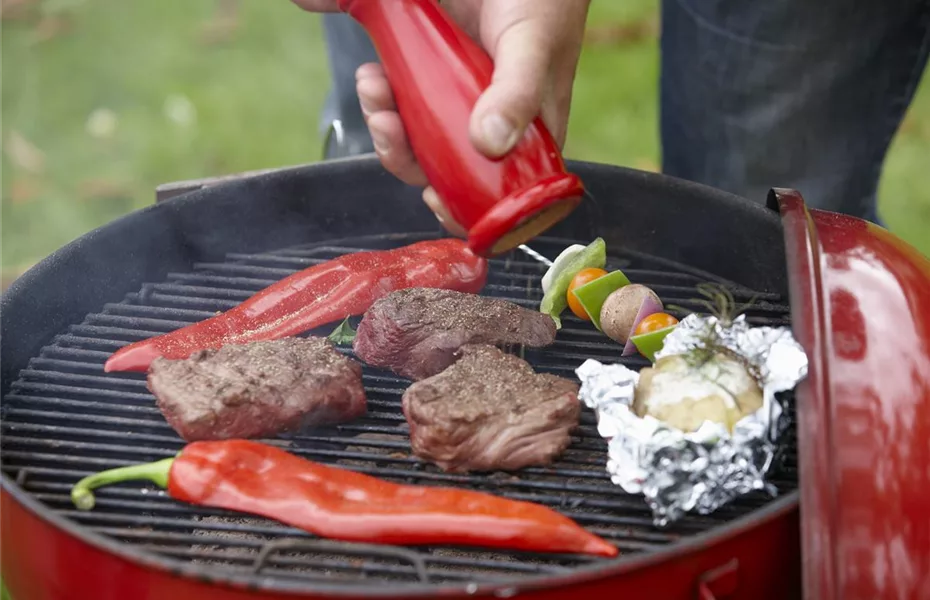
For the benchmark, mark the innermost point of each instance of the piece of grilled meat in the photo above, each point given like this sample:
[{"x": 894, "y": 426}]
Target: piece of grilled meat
[
  {"x": 490, "y": 411},
  {"x": 257, "y": 389},
  {"x": 415, "y": 332}
]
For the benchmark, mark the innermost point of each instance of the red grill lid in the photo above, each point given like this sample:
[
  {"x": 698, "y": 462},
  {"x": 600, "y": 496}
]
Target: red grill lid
[{"x": 860, "y": 300}]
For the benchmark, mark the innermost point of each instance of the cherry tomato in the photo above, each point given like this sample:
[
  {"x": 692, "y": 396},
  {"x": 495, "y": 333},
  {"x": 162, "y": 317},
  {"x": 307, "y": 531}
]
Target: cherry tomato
[
  {"x": 655, "y": 322},
  {"x": 582, "y": 277}
]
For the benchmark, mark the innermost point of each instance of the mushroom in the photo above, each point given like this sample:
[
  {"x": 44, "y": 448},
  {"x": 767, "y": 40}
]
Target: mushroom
[{"x": 622, "y": 310}]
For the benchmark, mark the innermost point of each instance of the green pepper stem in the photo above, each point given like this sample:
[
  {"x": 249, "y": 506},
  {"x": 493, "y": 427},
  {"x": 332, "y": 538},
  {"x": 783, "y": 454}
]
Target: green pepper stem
[{"x": 156, "y": 472}]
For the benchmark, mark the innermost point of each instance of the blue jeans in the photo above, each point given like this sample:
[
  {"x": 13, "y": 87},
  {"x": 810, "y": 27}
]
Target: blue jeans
[
  {"x": 790, "y": 93},
  {"x": 342, "y": 123}
]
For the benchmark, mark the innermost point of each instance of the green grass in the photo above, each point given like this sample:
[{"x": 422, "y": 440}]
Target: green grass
[{"x": 256, "y": 98}]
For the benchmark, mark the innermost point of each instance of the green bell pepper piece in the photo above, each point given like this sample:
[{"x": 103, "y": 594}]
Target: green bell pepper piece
[
  {"x": 650, "y": 343},
  {"x": 592, "y": 294}
]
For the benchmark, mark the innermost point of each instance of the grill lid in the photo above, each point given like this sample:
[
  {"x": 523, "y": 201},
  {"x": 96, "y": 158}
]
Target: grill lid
[{"x": 860, "y": 301}]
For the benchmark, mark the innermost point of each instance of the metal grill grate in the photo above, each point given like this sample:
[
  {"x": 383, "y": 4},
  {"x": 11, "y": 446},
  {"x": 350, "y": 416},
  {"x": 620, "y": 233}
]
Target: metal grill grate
[{"x": 64, "y": 418}]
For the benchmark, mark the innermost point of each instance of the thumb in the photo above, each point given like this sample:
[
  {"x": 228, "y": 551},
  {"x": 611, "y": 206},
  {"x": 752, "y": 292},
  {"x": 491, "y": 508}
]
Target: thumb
[{"x": 522, "y": 58}]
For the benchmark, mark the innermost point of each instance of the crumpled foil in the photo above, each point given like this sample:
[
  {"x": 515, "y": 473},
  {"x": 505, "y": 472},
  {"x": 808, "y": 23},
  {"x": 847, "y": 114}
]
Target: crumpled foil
[{"x": 680, "y": 472}]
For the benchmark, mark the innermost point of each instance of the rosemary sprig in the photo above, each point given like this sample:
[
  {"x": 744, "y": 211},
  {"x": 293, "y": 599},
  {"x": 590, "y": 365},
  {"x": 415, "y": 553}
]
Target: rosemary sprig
[{"x": 719, "y": 301}]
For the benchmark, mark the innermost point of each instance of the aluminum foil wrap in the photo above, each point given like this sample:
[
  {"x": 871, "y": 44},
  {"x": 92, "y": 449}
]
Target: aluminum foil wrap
[{"x": 680, "y": 472}]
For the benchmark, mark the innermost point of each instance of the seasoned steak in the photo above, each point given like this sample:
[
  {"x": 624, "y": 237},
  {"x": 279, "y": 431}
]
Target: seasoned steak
[
  {"x": 490, "y": 411},
  {"x": 415, "y": 332},
  {"x": 257, "y": 389}
]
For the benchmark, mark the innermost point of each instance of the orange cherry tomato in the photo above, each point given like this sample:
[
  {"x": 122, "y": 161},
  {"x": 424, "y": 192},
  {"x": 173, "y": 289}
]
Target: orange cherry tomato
[
  {"x": 582, "y": 277},
  {"x": 655, "y": 322}
]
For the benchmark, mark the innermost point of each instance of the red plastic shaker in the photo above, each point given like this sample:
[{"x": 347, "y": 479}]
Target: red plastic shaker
[{"x": 437, "y": 73}]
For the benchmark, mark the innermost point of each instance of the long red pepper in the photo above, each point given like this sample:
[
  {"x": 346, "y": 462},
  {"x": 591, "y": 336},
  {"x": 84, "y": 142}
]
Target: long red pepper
[
  {"x": 321, "y": 294},
  {"x": 334, "y": 503}
]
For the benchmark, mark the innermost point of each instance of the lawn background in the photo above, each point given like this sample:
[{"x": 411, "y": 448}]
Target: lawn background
[
  {"x": 105, "y": 99},
  {"x": 102, "y": 100}
]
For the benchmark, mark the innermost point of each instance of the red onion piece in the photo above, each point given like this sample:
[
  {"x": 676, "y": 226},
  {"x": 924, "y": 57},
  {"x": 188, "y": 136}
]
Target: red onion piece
[{"x": 648, "y": 307}]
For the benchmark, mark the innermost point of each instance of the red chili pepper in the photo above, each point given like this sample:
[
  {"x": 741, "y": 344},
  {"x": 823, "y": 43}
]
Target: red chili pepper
[
  {"x": 321, "y": 294},
  {"x": 259, "y": 479}
]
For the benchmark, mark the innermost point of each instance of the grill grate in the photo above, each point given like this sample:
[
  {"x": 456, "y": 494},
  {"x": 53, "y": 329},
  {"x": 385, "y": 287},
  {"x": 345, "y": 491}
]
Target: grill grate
[{"x": 64, "y": 418}]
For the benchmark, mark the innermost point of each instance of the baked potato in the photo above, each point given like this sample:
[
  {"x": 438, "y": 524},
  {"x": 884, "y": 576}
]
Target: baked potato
[{"x": 683, "y": 394}]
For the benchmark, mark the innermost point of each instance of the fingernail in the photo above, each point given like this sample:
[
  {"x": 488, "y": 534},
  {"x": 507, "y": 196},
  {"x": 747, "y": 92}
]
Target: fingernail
[
  {"x": 382, "y": 146},
  {"x": 366, "y": 109},
  {"x": 499, "y": 134}
]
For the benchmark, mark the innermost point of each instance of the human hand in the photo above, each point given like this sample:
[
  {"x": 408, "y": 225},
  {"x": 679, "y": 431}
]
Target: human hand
[{"x": 535, "y": 45}]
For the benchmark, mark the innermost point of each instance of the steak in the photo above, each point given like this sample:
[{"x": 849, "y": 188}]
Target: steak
[
  {"x": 257, "y": 389},
  {"x": 490, "y": 411},
  {"x": 415, "y": 332}
]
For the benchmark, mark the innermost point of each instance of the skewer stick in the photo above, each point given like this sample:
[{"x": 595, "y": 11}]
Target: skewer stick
[{"x": 536, "y": 255}]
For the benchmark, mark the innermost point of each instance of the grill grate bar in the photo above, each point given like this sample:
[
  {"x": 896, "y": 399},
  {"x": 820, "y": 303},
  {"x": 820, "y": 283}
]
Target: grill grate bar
[
  {"x": 586, "y": 429},
  {"x": 121, "y": 449},
  {"x": 105, "y": 500},
  {"x": 674, "y": 293},
  {"x": 64, "y": 418},
  {"x": 128, "y": 335},
  {"x": 156, "y": 422},
  {"x": 182, "y": 315},
  {"x": 98, "y": 356},
  {"x": 112, "y": 345},
  {"x": 84, "y": 412},
  {"x": 325, "y": 545},
  {"x": 575, "y": 340},
  {"x": 209, "y": 305},
  {"x": 70, "y": 389},
  {"x": 160, "y": 319},
  {"x": 229, "y": 297},
  {"x": 155, "y": 500},
  {"x": 156, "y": 507},
  {"x": 90, "y": 379},
  {"x": 108, "y": 336},
  {"x": 176, "y": 317},
  {"x": 57, "y": 365},
  {"x": 170, "y": 541},
  {"x": 565, "y": 494},
  {"x": 249, "y": 283},
  {"x": 660, "y": 278},
  {"x": 620, "y": 258},
  {"x": 121, "y": 321},
  {"x": 140, "y": 384},
  {"x": 246, "y": 557},
  {"x": 204, "y": 291},
  {"x": 242, "y": 287}
]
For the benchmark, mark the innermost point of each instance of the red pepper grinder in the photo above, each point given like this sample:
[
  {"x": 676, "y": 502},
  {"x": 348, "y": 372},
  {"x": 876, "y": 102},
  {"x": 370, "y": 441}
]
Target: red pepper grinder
[{"x": 437, "y": 72}]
